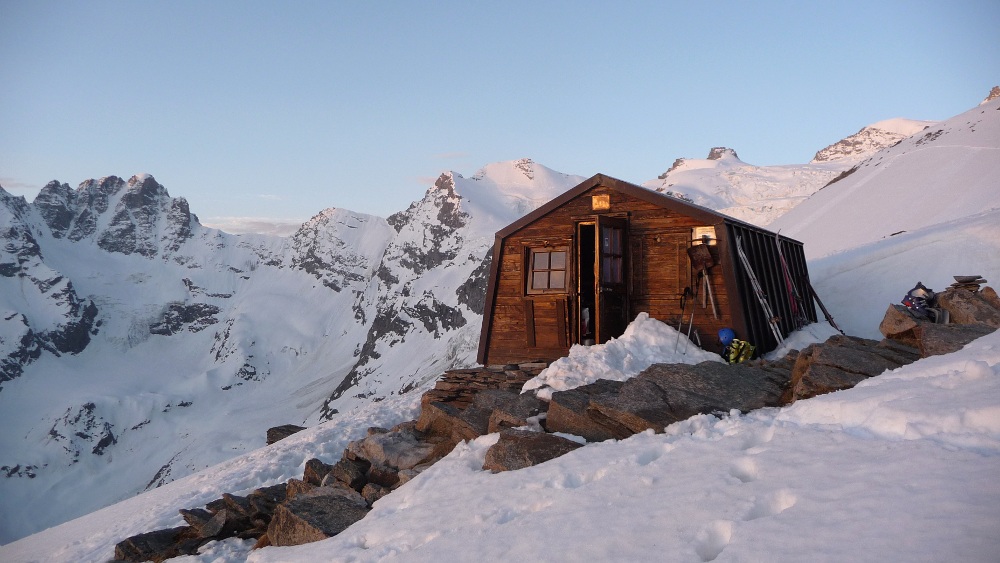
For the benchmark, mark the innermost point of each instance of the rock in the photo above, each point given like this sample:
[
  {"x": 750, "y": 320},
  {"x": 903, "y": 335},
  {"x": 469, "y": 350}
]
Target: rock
[
  {"x": 225, "y": 524},
  {"x": 841, "y": 363},
  {"x": 516, "y": 412},
  {"x": 935, "y": 340},
  {"x": 264, "y": 500},
  {"x": 296, "y": 487},
  {"x": 969, "y": 307},
  {"x": 315, "y": 471},
  {"x": 158, "y": 545},
  {"x": 399, "y": 449},
  {"x": 197, "y": 518},
  {"x": 372, "y": 492},
  {"x": 898, "y": 324},
  {"x": 281, "y": 432},
  {"x": 568, "y": 411},
  {"x": 517, "y": 449},
  {"x": 382, "y": 475},
  {"x": 314, "y": 516},
  {"x": 352, "y": 473},
  {"x": 238, "y": 505},
  {"x": 661, "y": 395}
]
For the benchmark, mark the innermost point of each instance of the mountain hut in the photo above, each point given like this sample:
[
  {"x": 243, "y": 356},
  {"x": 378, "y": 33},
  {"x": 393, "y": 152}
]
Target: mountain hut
[{"x": 579, "y": 268}]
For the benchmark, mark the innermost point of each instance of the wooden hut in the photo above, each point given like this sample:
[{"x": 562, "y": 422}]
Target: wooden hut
[{"x": 578, "y": 269}]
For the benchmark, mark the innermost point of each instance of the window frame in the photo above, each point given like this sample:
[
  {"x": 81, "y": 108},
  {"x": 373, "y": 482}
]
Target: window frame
[{"x": 530, "y": 253}]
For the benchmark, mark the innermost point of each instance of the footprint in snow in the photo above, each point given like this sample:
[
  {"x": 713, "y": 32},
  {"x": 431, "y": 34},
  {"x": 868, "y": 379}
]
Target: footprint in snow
[
  {"x": 744, "y": 469},
  {"x": 713, "y": 539},
  {"x": 758, "y": 438},
  {"x": 771, "y": 504}
]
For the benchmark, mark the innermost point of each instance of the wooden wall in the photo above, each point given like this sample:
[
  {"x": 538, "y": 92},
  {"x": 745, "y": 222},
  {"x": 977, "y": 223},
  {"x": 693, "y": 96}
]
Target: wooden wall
[{"x": 529, "y": 327}]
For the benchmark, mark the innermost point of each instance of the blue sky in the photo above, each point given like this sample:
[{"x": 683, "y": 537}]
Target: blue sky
[{"x": 281, "y": 109}]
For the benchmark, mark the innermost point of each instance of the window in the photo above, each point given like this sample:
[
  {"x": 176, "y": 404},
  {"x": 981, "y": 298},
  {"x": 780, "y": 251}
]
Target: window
[
  {"x": 547, "y": 270},
  {"x": 612, "y": 255}
]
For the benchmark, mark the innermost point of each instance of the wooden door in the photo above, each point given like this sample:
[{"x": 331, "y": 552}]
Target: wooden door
[{"x": 612, "y": 282}]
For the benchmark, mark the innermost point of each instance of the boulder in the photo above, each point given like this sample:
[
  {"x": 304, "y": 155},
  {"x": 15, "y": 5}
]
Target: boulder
[
  {"x": 399, "y": 449},
  {"x": 515, "y": 412},
  {"x": 264, "y": 499},
  {"x": 844, "y": 361},
  {"x": 158, "y": 545},
  {"x": 226, "y": 524},
  {"x": 352, "y": 473},
  {"x": 315, "y": 471},
  {"x": 197, "y": 518},
  {"x": 970, "y": 307},
  {"x": 934, "y": 340},
  {"x": 898, "y": 324},
  {"x": 372, "y": 492},
  {"x": 296, "y": 487},
  {"x": 281, "y": 432},
  {"x": 313, "y": 516},
  {"x": 568, "y": 411},
  {"x": 661, "y": 395},
  {"x": 382, "y": 475},
  {"x": 517, "y": 449}
]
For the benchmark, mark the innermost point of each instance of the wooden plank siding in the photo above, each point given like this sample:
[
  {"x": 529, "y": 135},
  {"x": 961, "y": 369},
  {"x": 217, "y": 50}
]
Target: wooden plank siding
[{"x": 519, "y": 327}]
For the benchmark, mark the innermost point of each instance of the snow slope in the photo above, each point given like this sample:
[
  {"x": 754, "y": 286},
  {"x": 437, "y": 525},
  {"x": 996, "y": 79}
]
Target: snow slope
[
  {"x": 900, "y": 468},
  {"x": 946, "y": 173}
]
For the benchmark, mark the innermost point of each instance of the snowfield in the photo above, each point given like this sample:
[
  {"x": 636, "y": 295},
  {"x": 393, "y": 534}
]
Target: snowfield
[{"x": 901, "y": 468}]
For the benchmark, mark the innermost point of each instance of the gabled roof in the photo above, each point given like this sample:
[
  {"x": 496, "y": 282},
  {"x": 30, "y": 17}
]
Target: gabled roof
[{"x": 708, "y": 216}]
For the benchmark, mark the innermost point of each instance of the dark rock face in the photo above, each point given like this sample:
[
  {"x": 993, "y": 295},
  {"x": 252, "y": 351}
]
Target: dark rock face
[
  {"x": 277, "y": 433},
  {"x": 195, "y": 317},
  {"x": 472, "y": 292},
  {"x": 144, "y": 221},
  {"x": 517, "y": 449},
  {"x": 314, "y": 516}
]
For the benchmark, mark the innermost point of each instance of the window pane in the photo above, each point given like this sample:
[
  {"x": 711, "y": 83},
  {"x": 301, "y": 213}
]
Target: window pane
[
  {"x": 616, "y": 269},
  {"x": 557, "y": 279},
  {"x": 606, "y": 271},
  {"x": 558, "y": 261},
  {"x": 540, "y": 280},
  {"x": 541, "y": 261},
  {"x": 616, "y": 241},
  {"x": 605, "y": 240}
]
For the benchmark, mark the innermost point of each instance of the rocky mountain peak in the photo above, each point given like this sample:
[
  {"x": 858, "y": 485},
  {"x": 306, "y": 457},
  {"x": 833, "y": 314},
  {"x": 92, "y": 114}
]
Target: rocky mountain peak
[
  {"x": 718, "y": 153},
  {"x": 994, "y": 94}
]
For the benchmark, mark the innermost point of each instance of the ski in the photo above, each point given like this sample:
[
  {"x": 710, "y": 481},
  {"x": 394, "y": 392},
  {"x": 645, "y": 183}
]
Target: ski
[
  {"x": 829, "y": 317},
  {"x": 795, "y": 301},
  {"x": 772, "y": 320}
]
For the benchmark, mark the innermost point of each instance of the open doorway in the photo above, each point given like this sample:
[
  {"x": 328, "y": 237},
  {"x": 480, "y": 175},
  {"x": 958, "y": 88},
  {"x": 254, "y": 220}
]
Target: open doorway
[{"x": 602, "y": 277}]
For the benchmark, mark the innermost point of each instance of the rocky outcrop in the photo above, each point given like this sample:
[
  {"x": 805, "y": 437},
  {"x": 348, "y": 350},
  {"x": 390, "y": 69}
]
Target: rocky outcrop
[
  {"x": 316, "y": 515},
  {"x": 661, "y": 395},
  {"x": 841, "y": 363},
  {"x": 193, "y": 317},
  {"x": 517, "y": 449},
  {"x": 972, "y": 313},
  {"x": 277, "y": 433}
]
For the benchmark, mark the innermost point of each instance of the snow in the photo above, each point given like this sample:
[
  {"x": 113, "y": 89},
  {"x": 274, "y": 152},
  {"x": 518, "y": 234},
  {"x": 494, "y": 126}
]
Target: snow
[
  {"x": 902, "y": 126},
  {"x": 900, "y": 468},
  {"x": 645, "y": 342}
]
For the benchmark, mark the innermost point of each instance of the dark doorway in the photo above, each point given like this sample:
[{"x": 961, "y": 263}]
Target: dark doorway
[{"x": 601, "y": 275}]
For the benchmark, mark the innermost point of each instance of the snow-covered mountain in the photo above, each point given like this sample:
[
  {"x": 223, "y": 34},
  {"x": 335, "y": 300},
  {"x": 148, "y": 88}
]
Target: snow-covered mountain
[
  {"x": 174, "y": 346},
  {"x": 760, "y": 194},
  {"x": 138, "y": 346},
  {"x": 864, "y": 474}
]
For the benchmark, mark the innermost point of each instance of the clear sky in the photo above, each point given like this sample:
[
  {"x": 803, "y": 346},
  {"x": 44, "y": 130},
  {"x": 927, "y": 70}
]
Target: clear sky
[{"x": 277, "y": 110}]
